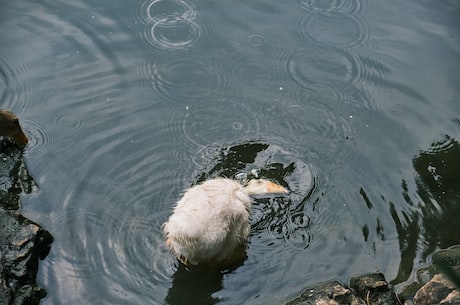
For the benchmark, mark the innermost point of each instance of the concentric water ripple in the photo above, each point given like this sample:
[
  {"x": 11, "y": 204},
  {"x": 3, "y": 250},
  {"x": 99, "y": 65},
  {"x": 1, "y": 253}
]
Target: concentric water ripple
[
  {"x": 37, "y": 133},
  {"x": 184, "y": 80},
  {"x": 252, "y": 73},
  {"x": 170, "y": 24},
  {"x": 69, "y": 121},
  {"x": 168, "y": 11},
  {"x": 353, "y": 7},
  {"x": 314, "y": 68},
  {"x": 205, "y": 124},
  {"x": 371, "y": 71},
  {"x": 17, "y": 85},
  {"x": 334, "y": 29}
]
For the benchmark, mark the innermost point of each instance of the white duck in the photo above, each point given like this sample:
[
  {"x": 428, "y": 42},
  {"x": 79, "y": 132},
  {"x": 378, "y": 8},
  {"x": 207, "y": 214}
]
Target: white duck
[{"x": 210, "y": 223}]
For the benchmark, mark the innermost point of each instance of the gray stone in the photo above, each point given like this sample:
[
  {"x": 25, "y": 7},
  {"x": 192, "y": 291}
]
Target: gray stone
[{"x": 22, "y": 242}]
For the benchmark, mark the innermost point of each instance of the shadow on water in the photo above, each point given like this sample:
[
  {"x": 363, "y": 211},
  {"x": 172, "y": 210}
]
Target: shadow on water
[
  {"x": 194, "y": 286},
  {"x": 431, "y": 220}
]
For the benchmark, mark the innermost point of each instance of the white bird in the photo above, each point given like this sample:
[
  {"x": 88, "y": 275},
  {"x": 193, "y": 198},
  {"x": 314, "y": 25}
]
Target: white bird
[{"x": 210, "y": 223}]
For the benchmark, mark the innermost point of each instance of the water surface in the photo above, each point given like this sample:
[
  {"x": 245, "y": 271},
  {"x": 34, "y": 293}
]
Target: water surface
[{"x": 352, "y": 105}]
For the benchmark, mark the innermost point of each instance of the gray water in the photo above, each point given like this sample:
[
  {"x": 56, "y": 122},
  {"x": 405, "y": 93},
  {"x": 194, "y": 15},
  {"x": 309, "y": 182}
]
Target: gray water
[{"x": 352, "y": 105}]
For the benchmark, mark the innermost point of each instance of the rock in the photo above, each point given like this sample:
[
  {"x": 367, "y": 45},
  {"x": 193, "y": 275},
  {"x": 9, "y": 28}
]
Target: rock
[
  {"x": 329, "y": 293},
  {"x": 374, "y": 289},
  {"x": 439, "y": 290},
  {"x": 433, "y": 284},
  {"x": 365, "y": 289},
  {"x": 22, "y": 242}
]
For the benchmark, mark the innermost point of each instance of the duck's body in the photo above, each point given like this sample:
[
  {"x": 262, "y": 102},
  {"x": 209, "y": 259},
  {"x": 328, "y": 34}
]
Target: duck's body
[
  {"x": 211, "y": 220},
  {"x": 9, "y": 127}
]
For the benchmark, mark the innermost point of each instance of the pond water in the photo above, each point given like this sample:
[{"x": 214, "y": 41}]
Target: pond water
[{"x": 353, "y": 105}]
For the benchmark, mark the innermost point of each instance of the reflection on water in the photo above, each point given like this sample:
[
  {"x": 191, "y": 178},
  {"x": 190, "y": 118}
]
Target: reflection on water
[
  {"x": 128, "y": 103},
  {"x": 195, "y": 286},
  {"x": 429, "y": 224}
]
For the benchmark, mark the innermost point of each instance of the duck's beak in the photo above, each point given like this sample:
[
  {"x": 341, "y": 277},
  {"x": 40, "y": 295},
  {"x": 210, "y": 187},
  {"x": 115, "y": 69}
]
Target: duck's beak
[
  {"x": 21, "y": 138},
  {"x": 275, "y": 188}
]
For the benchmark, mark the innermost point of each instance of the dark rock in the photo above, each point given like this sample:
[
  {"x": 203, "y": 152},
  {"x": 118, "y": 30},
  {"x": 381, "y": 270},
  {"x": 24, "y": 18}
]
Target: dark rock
[
  {"x": 22, "y": 242},
  {"x": 433, "y": 284},
  {"x": 327, "y": 293},
  {"x": 373, "y": 288}
]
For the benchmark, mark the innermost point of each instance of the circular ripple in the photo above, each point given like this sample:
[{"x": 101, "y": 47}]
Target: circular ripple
[
  {"x": 314, "y": 68},
  {"x": 207, "y": 124},
  {"x": 256, "y": 40},
  {"x": 249, "y": 72},
  {"x": 346, "y": 6},
  {"x": 184, "y": 79},
  {"x": 167, "y": 11},
  {"x": 372, "y": 71},
  {"x": 173, "y": 36},
  {"x": 37, "y": 134},
  {"x": 334, "y": 29},
  {"x": 68, "y": 121},
  {"x": 170, "y": 25},
  {"x": 16, "y": 84}
]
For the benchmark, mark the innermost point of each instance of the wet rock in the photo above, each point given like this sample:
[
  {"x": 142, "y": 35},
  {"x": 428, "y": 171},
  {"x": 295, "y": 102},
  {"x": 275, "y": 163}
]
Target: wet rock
[
  {"x": 374, "y": 289},
  {"x": 439, "y": 290},
  {"x": 434, "y": 284},
  {"x": 329, "y": 293},
  {"x": 22, "y": 242},
  {"x": 366, "y": 289}
]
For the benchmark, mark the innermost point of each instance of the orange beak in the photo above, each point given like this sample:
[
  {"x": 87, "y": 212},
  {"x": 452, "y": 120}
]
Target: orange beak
[{"x": 275, "y": 188}]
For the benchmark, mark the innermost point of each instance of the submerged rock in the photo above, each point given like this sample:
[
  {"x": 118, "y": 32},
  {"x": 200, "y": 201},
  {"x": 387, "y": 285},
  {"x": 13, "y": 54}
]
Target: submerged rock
[{"x": 22, "y": 242}]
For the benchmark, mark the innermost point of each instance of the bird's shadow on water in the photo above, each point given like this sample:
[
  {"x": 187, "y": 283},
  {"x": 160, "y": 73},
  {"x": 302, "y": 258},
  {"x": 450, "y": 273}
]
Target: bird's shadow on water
[{"x": 197, "y": 284}]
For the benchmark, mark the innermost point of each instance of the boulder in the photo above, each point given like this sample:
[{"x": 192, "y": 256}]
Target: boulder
[
  {"x": 22, "y": 242},
  {"x": 365, "y": 289}
]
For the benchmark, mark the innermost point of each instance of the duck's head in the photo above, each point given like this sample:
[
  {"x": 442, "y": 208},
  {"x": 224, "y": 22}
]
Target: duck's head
[
  {"x": 9, "y": 127},
  {"x": 262, "y": 186}
]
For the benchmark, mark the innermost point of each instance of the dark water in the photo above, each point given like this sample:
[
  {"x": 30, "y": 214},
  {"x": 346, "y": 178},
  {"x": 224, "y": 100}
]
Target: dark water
[{"x": 352, "y": 105}]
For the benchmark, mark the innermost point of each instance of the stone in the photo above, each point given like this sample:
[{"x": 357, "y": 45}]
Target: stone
[
  {"x": 439, "y": 290},
  {"x": 22, "y": 242},
  {"x": 374, "y": 289},
  {"x": 328, "y": 293}
]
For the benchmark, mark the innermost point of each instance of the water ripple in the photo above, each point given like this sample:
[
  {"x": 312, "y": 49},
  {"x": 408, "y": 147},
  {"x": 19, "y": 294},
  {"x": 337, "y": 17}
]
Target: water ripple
[
  {"x": 18, "y": 84},
  {"x": 350, "y": 7},
  {"x": 313, "y": 68},
  {"x": 205, "y": 124},
  {"x": 37, "y": 133},
  {"x": 251, "y": 72},
  {"x": 68, "y": 121},
  {"x": 334, "y": 29},
  {"x": 372, "y": 71},
  {"x": 184, "y": 79},
  {"x": 170, "y": 24}
]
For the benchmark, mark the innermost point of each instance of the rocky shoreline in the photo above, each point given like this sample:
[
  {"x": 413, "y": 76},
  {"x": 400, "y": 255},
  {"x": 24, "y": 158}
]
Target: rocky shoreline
[
  {"x": 433, "y": 285},
  {"x": 23, "y": 243}
]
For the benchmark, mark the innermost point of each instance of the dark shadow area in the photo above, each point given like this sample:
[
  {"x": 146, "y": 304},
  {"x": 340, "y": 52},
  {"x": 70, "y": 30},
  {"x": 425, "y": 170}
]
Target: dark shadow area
[
  {"x": 433, "y": 222},
  {"x": 194, "y": 286}
]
